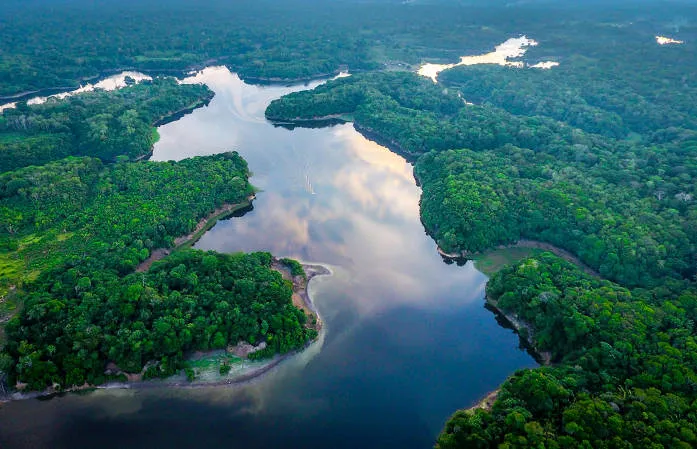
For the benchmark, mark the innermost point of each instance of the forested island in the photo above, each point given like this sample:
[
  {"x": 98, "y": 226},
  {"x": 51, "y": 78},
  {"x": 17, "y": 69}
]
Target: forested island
[{"x": 76, "y": 228}]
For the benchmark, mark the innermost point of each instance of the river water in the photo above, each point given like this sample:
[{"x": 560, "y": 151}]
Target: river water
[
  {"x": 407, "y": 339},
  {"x": 503, "y": 54}
]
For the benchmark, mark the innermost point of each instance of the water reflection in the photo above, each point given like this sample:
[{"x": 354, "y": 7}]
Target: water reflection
[
  {"x": 662, "y": 40},
  {"x": 406, "y": 338},
  {"x": 117, "y": 81},
  {"x": 502, "y": 55}
]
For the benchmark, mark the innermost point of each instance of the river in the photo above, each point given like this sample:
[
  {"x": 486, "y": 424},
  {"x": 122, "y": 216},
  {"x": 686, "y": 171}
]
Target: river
[{"x": 407, "y": 339}]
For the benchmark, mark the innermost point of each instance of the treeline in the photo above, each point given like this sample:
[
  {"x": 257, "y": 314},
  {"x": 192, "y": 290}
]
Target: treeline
[
  {"x": 77, "y": 321},
  {"x": 99, "y": 124},
  {"x": 626, "y": 372},
  {"x": 267, "y": 40},
  {"x": 626, "y": 208},
  {"x": 585, "y": 177}
]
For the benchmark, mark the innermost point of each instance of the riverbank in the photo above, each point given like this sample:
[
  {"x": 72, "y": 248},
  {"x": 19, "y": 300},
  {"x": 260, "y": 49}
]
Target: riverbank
[
  {"x": 301, "y": 297},
  {"x": 524, "y": 330},
  {"x": 47, "y": 91},
  {"x": 262, "y": 80},
  {"x": 176, "y": 115},
  {"x": 486, "y": 403},
  {"x": 25, "y": 95},
  {"x": 173, "y": 117},
  {"x": 325, "y": 121},
  {"x": 245, "y": 370},
  {"x": 525, "y": 243},
  {"x": 190, "y": 239}
]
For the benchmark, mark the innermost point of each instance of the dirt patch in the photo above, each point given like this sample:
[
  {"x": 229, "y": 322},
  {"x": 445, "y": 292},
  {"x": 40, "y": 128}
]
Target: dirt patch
[
  {"x": 487, "y": 402},
  {"x": 301, "y": 298}
]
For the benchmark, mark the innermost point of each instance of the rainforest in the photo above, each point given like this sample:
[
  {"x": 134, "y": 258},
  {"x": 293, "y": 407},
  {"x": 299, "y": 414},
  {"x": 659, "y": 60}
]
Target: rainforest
[{"x": 274, "y": 219}]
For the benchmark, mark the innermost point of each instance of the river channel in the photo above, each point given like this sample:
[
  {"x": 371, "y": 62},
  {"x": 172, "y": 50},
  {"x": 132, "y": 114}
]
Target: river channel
[{"x": 407, "y": 339}]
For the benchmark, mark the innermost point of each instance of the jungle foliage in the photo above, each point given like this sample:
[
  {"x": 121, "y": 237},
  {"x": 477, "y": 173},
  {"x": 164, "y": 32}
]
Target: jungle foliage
[
  {"x": 79, "y": 228},
  {"x": 103, "y": 124},
  {"x": 596, "y": 156},
  {"x": 77, "y": 321},
  {"x": 626, "y": 208},
  {"x": 626, "y": 371},
  {"x": 78, "y": 211}
]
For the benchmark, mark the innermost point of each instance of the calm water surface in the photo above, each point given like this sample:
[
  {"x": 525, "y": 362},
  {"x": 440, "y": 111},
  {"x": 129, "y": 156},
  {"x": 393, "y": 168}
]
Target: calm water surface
[{"x": 407, "y": 337}]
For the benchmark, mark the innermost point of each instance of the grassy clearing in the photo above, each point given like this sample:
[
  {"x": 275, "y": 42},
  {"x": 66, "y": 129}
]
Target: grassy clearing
[
  {"x": 10, "y": 270},
  {"x": 492, "y": 261}
]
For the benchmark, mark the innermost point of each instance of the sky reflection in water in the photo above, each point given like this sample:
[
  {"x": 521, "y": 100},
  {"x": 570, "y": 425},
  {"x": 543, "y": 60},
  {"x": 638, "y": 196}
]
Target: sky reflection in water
[{"x": 407, "y": 338}]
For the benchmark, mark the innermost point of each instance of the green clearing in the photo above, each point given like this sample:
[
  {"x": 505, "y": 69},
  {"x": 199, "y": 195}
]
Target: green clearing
[{"x": 491, "y": 262}]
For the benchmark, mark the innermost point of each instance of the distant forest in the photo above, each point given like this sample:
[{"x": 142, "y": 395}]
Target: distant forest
[{"x": 270, "y": 40}]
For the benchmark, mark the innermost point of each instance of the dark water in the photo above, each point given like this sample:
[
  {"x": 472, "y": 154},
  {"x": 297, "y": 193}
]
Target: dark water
[{"x": 407, "y": 339}]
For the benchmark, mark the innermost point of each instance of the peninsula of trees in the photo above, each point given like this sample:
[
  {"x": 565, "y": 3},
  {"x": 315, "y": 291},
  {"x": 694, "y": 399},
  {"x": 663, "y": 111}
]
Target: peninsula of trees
[{"x": 74, "y": 230}]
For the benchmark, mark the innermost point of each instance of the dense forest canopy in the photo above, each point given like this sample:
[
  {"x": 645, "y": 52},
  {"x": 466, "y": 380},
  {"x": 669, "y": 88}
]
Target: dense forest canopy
[
  {"x": 83, "y": 308},
  {"x": 597, "y": 156},
  {"x": 270, "y": 39},
  {"x": 626, "y": 207},
  {"x": 103, "y": 124},
  {"x": 626, "y": 374},
  {"x": 77, "y": 321},
  {"x": 81, "y": 211}
]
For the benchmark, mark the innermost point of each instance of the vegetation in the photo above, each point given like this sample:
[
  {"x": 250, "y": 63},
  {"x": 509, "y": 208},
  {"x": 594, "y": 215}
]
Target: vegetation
[
  {"x": 81, "y": 212},
  {"x": 83, "y": 306},
  {"x": 99, "y": 124},
  {"x": 86, "y": 307},
  {"x": 296, "y": 268},
  {"x": 76, "y": 321},
  {"x": 626, "y": 371},
  {"x": 270, "y": 39},
  {"x": 621, "y": 206},
  {"x": 596, "y": 157}
]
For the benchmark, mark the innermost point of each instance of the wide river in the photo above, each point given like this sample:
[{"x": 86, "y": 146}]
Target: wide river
[{"x": 407, "y": 339}]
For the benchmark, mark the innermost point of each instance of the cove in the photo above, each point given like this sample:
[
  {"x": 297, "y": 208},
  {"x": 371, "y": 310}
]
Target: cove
[{"x": 407, "y": 338}]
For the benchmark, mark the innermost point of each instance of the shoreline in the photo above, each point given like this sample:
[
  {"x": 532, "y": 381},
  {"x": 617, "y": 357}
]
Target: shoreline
[
  {"x": 188, "y": 240},
  {"x": 324, "y": 121},
  {"x": 526, "y": 243},
  {"x": 511, "y": 321},
  {"x": 27, "y": 94},
  {"x": 313, "y": 270},
  {"x": 173, "y": 117},
  {"x": 260, "y": 80},
  {"x": 176, "y": 115},
  {"x": 335, "y": 119},
  {"x": 486, "y": 403},
  {"x": 263, "y": 80}
]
